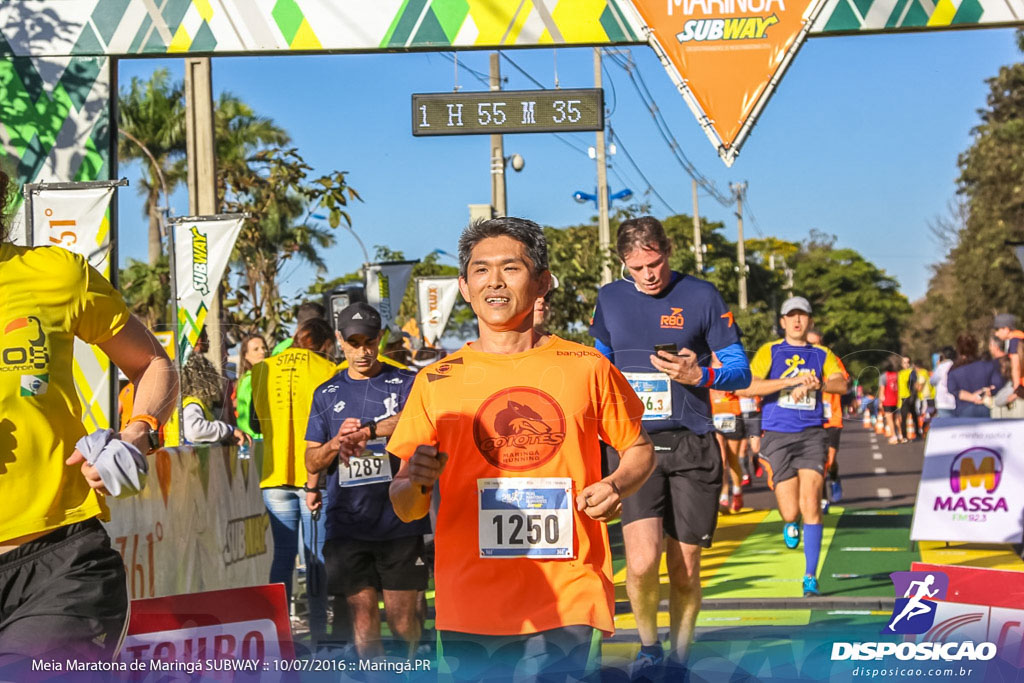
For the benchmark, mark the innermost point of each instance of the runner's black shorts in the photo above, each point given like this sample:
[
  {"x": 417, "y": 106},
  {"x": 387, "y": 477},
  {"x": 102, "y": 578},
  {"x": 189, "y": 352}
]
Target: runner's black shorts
[
  {"x": 395, "y": 564},
  {"x": 785, "y": 453},
  {"x": 752, "y": 423},
  {"x": 683, "y": 490},
  {"x": 62, "y": 595},
  {"x": 738, "y": 433}
]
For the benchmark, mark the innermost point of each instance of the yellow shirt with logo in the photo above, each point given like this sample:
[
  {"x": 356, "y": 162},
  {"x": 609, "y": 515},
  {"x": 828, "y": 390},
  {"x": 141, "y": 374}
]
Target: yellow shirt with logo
[
  {"x": 48, "y": 296},
  {"x": 282, "y": 394}
]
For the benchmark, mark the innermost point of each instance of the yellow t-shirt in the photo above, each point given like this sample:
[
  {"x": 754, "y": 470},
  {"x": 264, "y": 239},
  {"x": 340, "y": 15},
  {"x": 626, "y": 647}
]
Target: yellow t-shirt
[
  {"x": 522, "y": 417},
  {"x": 282, "y": 394},
  {"x": 48, "y": 296}
]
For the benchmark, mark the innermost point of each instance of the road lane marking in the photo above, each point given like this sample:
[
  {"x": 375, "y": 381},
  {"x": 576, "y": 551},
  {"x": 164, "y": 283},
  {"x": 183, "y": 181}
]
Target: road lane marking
[
  {"x": 885, "y": 493},
  {"x": 881, "y": 470},
  {"x": 876, "y": 456}
]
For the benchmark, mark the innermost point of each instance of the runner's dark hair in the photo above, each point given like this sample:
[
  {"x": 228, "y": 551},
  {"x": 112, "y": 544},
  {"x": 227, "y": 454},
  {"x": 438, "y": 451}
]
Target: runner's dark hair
[
  {"x": 309, "y": 309},
  {"x": 316, "y": 335},
  {"x": 966, "y": 349},
  {"x": 527, "y": 232},
  {"x": 645, "y": 232}
]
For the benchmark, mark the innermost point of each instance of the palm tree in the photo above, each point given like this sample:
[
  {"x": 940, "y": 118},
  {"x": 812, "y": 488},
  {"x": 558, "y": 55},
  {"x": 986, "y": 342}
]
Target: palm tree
[{"x": 151, "y": 118}]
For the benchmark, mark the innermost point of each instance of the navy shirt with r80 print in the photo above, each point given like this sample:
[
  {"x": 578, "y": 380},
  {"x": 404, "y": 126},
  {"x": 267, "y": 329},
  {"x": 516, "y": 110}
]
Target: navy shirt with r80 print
[
  {"x": 689, "y": 314},
  {"x": 358, "y": 504}
]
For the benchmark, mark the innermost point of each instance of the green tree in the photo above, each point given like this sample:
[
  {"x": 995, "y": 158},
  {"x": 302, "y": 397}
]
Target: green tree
[
  {"x": 147, "y": 290},
  {"x": 858, "y": 308},
  {"x": 151, "y": 120},
  {"x": 273, "y": 188},
  {"x": 981, "y": 276}
]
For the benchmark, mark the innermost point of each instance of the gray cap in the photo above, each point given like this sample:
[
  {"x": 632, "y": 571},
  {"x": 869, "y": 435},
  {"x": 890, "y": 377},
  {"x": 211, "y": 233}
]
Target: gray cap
[
  {"x": 1004, "y": 320},
  {"x": 795, "y": 303}
]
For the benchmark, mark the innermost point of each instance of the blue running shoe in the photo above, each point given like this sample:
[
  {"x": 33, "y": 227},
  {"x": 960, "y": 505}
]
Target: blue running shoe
[
  {"x": 791, "y": 534},
  {"x": 837, "y": 492},
  {"x": 810, "y": 586}
]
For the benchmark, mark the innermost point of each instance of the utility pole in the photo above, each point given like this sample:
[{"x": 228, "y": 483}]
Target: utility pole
[
  {"x": 202, "y": 170},
  {"x": 698, "y": 251},
  {"x": 497, "y": 150},
  {"x": 741, "y": 254},
  {"x": 604, "y": 232}
]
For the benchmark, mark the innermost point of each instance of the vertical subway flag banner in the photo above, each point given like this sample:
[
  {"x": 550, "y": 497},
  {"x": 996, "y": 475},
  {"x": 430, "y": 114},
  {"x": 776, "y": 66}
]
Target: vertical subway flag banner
[
  {"x": 726, "y": 56},
  {"x": 385, "y": 287},
  {"x": 202, "y": 248},
  {"x": 435, "y": 299},
  {"x": 972, "y": 483},
  {"x": 76, "y": 219}
]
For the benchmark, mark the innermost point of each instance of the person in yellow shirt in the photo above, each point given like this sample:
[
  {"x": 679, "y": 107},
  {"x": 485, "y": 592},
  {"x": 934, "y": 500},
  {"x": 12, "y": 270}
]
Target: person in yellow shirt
[
  {"x": 62, "y": 587},
  {"x": 282, "y": 393}
]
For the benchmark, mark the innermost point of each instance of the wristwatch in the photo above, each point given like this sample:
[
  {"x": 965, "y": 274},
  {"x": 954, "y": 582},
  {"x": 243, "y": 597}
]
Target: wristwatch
[{"x": 153, "y": 433}]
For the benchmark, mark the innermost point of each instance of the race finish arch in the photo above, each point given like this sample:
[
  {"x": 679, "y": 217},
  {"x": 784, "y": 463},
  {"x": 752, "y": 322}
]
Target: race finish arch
[{"x": 726, "y": 56}]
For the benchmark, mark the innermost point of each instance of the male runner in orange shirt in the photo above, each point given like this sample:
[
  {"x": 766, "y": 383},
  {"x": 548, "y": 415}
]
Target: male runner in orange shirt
[{"x": 509, "y": 427}]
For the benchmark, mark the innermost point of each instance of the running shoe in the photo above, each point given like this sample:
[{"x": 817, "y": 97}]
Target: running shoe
[
  {"x": 824, "y": 506},
  {"x": 646, "y": 666},
  {"x": 759, "y": 470},
  {"x": 791, "y": 535},
  {"x": 723, "y": 503},
  {"x": 810, "y": 586},
  {"x": 837, "y": 492},
  {"x": 745, "y": 481},
  {"x": 737, "y": 502}
]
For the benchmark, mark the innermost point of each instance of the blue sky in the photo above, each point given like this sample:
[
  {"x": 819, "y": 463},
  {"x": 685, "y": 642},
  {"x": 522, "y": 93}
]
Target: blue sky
[{"x": 860, "y": 140}]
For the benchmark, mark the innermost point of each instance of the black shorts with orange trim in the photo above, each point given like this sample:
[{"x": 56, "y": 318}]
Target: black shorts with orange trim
[{"x": 784, "y": 454}]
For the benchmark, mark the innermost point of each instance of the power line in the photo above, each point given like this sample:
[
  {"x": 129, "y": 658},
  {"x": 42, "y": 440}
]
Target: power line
[
  {"x": 636, "y": 167},
  {"x": 663, "y": 129},
  {"x": 521, "y": 70},
  {"x": 750, "y": 212},
  {"x": 482, "y": 77}
]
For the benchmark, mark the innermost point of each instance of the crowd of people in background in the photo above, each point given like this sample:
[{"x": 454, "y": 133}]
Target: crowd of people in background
[{"x": 964, "y": 381}]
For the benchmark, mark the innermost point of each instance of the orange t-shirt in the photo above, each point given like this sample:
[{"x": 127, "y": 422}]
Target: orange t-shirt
[
  {"x": 725, "y": 403},
  {"x": 834, "y": 403},
  {"x": 530, "y": 415}
]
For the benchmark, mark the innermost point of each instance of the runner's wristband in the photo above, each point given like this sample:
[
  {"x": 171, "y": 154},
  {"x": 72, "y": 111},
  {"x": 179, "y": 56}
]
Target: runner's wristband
[
  {"x": 306, "y": 488},
  {"x": 153, "y": 423}
]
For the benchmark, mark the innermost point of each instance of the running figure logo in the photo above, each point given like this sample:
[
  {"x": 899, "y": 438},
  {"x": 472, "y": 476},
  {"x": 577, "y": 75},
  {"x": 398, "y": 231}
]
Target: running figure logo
[{"x": 914, "y": 612}]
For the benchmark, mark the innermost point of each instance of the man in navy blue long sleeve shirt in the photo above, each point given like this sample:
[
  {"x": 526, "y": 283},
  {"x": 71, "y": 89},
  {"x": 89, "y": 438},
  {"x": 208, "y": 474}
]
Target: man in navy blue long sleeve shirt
[{"x": 660, "y": 327}]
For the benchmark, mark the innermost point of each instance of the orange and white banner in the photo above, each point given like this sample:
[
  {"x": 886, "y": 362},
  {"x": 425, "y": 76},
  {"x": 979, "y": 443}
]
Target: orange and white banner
[
  {"x": 726, "y": 56},
  {"x": 74, "y": 216},
  {"x": 435, "y": 299}
]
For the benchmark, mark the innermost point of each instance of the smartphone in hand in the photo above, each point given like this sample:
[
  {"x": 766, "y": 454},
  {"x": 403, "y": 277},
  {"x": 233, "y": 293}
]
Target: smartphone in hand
[{"x": 667, "y": 348}]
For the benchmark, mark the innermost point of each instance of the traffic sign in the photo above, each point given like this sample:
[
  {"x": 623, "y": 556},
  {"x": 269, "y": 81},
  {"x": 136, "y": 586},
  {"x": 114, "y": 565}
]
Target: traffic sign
[{"x": 507, "y": 111}]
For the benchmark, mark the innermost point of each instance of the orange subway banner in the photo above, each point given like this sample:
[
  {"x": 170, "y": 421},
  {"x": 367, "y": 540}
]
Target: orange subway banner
[{"x": 726, "y": 56}]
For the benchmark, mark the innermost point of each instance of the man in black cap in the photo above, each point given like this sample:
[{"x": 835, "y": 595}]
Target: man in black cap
[{"x": 368, "y": 550}]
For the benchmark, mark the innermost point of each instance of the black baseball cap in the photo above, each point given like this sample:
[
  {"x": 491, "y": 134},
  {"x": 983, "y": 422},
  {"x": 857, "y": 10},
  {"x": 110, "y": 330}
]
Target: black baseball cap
[{"x": 359, "y": 318}]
